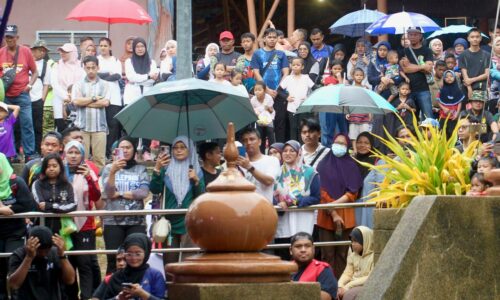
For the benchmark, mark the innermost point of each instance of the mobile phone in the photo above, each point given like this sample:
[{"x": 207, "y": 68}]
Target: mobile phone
[
  {"x": 118, "y": 153},
  {"x": 165, "y": 150},
  {"x": 73, "y": 169},
  {"x": 242, "y": 151},
  {"x": 127, "y": 285}
]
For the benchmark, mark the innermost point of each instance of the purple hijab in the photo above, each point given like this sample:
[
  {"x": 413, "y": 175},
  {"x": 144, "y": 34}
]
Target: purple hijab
[{"x": 339, "y": 175}]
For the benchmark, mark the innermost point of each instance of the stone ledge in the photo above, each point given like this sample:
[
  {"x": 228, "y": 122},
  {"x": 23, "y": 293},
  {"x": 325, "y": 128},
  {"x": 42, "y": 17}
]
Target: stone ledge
[
  {"x": 387, "y": 218},
  {"x": 258, "y": 291}
]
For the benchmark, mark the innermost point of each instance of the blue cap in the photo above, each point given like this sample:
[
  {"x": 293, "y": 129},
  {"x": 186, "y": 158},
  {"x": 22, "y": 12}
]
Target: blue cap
[
  {"x": 461, "y": 41},
  {"x": 430, "y": 122}
]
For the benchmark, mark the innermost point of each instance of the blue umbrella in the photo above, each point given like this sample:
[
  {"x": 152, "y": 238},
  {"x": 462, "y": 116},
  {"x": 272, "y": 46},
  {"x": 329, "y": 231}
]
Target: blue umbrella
[
  {"x": 346, "y": 99},
  {"x": 355, "y": 23},
  {"x": 453, "y": 29},
  {"x": 398, "y": 24}
]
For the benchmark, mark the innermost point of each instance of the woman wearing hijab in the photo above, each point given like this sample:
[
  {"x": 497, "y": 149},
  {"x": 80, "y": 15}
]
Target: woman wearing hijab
[
  {"x": 297, "y": 185},
  {"x": 126, "y": 185},
  {"x": 450, "y": 101},
  {"x": 360, "y": 59},
  {"x": 495, "y": 75},
  {"x": 146, "y": 282},
  {"x": 167, "y": 64},
  {"x": 15, "y": 197},
  {"x": 203, "y": 65},
  {"x": 67, "y": 72},
  {"x": 127, "y": 53},
  {"x": 180, "y": 178},
  {"x": 276, "y": 150},
  {"x": 141, "y": 72},
  {"x": 364, "y": 148},
  {"x": 311, "y": 66},
  {"x": 436, "y": 46},
  {"x": 86, "y": 193},
  {"x": 341, "y": 182},
  {"x": 380, "y": 84}
]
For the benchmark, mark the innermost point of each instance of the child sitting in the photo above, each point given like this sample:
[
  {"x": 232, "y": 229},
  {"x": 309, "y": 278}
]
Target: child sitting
[
  {"x": 393, "y": 72},
  {"x": 478, "y": 185},
  {"x": 7, "y": 122}
]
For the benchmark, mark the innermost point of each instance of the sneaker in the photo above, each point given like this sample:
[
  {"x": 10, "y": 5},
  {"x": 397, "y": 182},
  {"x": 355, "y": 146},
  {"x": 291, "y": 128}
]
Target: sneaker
[{"x": 146, "y": 156}]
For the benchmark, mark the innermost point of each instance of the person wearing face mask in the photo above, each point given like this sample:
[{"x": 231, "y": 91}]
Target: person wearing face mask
[
  {"x": 125, "y": 185},
  {"x": 340, "y": 181},
  {"x": 180, "y": 178},
  {"x": 297, "y": 185}
]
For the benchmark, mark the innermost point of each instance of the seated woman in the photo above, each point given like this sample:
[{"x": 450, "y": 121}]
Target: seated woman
[
  {"x": 359, "y": 264},
  {"x": 137, "y": 280},
  {"x": 297, "y": 185}
]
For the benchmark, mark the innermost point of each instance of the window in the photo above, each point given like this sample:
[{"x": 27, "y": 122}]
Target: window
[{"x": 56, "y": 39}]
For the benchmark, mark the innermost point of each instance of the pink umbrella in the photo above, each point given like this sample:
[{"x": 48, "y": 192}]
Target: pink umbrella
[{"x": 110, "y": 11}]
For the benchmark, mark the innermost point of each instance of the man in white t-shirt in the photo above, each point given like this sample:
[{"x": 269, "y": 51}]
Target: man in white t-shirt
[
  {"x": 40, "y": 88},
  {"x": 259, "y": 169},
  {"x": 312, "y": 150}
]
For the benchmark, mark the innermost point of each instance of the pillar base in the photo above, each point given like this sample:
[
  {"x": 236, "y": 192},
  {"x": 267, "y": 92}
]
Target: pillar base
[{"x": 235, "y": 267}]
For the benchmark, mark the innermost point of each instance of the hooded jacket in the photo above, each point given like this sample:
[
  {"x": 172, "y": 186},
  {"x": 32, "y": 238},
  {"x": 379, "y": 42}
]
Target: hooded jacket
[{"x": 358, "y": 266}]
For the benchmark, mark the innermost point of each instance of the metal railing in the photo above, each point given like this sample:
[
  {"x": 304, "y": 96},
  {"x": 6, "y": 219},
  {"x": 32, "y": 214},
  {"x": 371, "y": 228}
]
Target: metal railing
[{"x": 103, "y": 213}]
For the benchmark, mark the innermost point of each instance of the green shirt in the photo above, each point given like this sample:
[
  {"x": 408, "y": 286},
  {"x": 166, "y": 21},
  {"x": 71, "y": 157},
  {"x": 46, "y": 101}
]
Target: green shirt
[{"x": 170, "y": 202}]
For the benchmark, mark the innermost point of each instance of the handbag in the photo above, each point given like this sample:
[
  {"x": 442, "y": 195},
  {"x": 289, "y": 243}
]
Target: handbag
[
  {"x": 161, "y": 228},
  {"x": 9, "y": 76}
]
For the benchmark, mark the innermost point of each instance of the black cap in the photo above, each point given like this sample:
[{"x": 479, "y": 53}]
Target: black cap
[
  {"x": 11, "y": 30},
  {"x": 414, "y": 30}
]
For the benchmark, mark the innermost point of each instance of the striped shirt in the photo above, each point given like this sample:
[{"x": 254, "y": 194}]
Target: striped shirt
[
  {"x": 91, "y": 119},
  {"x": 359, "y": 118}
]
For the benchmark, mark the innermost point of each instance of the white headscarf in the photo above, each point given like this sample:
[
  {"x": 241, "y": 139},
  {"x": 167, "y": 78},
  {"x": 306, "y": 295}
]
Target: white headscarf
[
  {"x": 177, "y": 171},
  {"x": 206, "y": 60}
]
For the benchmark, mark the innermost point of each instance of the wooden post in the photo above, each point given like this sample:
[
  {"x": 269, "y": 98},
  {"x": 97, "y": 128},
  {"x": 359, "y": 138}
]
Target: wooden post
[
  {"x": 291, "y": 17},
  {"x": 227, "y": 18},
  {"x": 240, "y": 15},
  {"x": 252, "y": 22},
  {"x": 382, "y": 7},
  {"x": 269, "y": 17},
  {"x": 262, "y": 12}
]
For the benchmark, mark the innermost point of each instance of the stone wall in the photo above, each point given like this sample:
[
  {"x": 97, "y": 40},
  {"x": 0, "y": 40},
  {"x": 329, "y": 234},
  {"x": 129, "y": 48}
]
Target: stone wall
[
  {"x": 385, "y": 221},
  {"x": 443, "y": 248}
]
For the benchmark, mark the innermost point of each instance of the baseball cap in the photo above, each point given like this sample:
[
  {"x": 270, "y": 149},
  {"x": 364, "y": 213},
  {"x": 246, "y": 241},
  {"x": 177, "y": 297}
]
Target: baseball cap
[
  {"x": 430, "y": 122},
  {"x": 40, "y": 44},
  {"x": 226, "y": 35},
  {"x": 4, "y": 106},
  {"x": 68, "y": 47},
  {"x": 414, "y": 30},
  {"x": 479, "y": 96},
  {"x": 11, "y": 30}
]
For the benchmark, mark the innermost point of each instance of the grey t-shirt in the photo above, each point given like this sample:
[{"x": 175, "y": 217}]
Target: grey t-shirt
[
  {"x": 126, "y": 180},
  {"x": 476, "y": 63}
]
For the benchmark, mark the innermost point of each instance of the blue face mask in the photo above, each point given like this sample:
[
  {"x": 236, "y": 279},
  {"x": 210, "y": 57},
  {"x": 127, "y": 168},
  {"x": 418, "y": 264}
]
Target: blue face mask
[{"x": 339, "y": 150}]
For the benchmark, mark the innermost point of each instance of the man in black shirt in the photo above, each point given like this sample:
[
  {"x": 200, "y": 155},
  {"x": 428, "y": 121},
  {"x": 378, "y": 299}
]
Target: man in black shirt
[
  {"x": 416, "y": 63},
  {"x": 474, "y": 64},
  {"x": 227, "y": 55},
  {"x": 39, "y": 270},
  {"x": 210, "y": 155}
]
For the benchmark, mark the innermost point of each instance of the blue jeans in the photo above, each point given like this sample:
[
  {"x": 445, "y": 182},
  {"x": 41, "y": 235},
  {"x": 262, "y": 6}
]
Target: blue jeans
[
  {"x": 423, "y": 101},
  {"x": 329, "y": 123},
  {"x": 26, "y": 122}
]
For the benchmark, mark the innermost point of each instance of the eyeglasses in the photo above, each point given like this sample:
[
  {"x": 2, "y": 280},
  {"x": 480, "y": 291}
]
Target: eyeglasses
[{"x": 134, "y": 254}]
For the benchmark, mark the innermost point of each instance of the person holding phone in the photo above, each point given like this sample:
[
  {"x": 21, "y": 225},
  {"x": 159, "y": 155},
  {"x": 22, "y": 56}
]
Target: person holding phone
[
  {"x": 86, "y": 193},
  {"x": 138, "y": 280},
  {"x": 125, "y": 185},
  {"x": 180, "y": 178}
]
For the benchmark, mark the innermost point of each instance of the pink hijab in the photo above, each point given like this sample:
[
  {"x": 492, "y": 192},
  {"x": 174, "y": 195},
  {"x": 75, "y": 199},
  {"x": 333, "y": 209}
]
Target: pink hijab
[{"x": 71, "y": 71}]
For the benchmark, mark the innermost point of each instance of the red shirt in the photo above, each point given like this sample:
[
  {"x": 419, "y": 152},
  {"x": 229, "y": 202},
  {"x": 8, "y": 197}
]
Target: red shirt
[
  {"x": 330, "y": 80},
  {"x": 25, "y": 64}
]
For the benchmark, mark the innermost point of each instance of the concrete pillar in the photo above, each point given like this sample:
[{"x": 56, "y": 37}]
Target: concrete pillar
[
  {"x": 291, "y": 17},
  {"x": 382, "y": 7},
  {"x": 184, "y": 39}
]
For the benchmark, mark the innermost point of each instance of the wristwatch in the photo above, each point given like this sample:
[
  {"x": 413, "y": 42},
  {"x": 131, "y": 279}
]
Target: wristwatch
[
  {"x": 94, "y": 99},
  {"x": 63, "y": 257},
  {"x": 251, "y": 169}
]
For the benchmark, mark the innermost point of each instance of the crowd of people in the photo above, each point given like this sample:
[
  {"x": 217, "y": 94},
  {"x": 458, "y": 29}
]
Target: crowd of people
[{"x": 78, "y": 158}]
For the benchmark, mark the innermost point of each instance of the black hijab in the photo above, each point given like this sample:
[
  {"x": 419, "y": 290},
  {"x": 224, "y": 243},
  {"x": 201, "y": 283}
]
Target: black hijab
[
  {"x": 309, "y": 61},
  {"x": 367, "y": 157},
  {"x": 131, "y": 162},
  {"x": 141, "y": 64},
  {"x": 337, "y": 48},
  {"x": 130, "y": 274}
]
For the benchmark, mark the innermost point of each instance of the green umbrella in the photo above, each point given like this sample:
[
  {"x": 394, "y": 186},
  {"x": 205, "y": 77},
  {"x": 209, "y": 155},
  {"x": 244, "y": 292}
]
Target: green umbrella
[
  {"x": 196, "y": 108},
  {"x": 346, "y": 99}
]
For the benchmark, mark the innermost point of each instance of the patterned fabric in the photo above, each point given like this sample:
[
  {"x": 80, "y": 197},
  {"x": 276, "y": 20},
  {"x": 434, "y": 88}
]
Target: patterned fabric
[{"x": 91, "y": 119}]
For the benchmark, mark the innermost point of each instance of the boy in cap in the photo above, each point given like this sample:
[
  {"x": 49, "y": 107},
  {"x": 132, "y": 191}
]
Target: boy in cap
[{"x": 7, "y": 122}]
